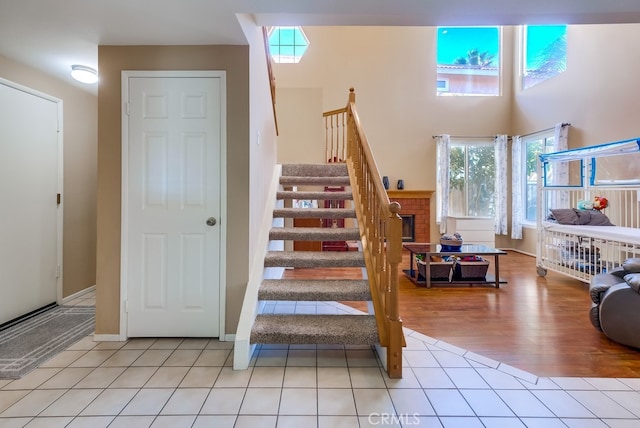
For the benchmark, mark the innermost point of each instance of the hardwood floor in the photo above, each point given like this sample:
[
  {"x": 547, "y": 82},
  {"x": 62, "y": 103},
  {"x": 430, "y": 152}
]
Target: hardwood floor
[{"x": 537, "y": 324}]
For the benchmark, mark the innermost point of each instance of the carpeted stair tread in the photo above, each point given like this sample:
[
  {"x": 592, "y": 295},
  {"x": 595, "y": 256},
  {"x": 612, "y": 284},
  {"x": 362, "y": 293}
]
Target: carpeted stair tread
[
  {"x": 315, "y": 170},
  {"x": 334, "y": 196},
  {"x": 312, "y": 259},
  {"x": 314, "y": 233},
  {"x": 314, "y": 181},
  {"x": 315, "y": 290},
  {"x": 310, "y": 329},
  {"x": 314, "y": 213}
]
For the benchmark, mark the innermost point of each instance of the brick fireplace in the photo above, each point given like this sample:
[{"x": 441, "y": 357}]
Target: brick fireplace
[{"x": 416, "y": 203}]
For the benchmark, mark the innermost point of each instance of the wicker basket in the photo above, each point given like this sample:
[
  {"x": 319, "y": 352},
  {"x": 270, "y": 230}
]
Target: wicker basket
[
  {"x": 470, "y": 269},
  {"x": 440, "y": 271}
]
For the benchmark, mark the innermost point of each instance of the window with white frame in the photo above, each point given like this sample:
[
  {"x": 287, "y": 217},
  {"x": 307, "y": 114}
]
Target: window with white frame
[
  {"x": 468, "y": 60},
  {"x": 472, "y": 178},
  {"x": 533, "y": 145}
]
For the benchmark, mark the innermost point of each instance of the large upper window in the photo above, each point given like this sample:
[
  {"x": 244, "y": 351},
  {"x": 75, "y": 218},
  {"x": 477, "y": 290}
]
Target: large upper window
[
  {"x": 468, "y": 61},
  {"x": 287, "y": 44},
  {"x": 544, "y": 53},
  {"x": 472, "y": 178},
  {"x": 533, "y": 146}
]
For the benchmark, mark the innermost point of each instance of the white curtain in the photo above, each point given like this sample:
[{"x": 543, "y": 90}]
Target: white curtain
[
  {"x": 561, "y": 169},
  {"x": 443, "y": 146},
  {"x": 500, "y": 156},
  {"x": 517, "y": 214}
]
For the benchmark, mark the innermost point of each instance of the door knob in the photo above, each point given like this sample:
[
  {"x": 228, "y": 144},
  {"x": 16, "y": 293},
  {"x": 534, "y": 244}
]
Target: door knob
[{"x": 211, "y": 221}]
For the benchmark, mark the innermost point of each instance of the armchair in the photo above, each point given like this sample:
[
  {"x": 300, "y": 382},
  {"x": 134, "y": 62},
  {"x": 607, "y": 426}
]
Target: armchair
[{"x": 616, "y": 303}]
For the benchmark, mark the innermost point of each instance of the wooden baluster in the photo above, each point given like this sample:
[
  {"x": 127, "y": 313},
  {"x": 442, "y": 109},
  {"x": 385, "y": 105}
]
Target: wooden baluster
[{"x": 327, "y": 136}]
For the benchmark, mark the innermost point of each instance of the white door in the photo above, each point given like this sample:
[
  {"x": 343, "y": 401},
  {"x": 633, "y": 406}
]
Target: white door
[
  {"x": 28, "y": 209},
  {"x": 173, "y": 206}
]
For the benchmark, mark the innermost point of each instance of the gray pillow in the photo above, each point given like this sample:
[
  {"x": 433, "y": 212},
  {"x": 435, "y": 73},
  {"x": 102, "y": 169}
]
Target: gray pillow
[
  {"x": 565, "y": 215},
  {"x": 584, "y": 217},
  {"x": 598, "y": 218}
]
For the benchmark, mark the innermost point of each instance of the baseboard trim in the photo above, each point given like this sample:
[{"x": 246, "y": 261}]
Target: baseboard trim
[
  {"x": 515, "y": 250},
  {"x": 26, "y": 316},
  {"x": 228, "y": 338},
  {"x": 108, "y": 338},
  {"x": 78, "y": 294}
]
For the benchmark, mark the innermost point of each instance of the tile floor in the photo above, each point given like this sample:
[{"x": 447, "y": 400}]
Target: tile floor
[{"x": 190, "y": 383}]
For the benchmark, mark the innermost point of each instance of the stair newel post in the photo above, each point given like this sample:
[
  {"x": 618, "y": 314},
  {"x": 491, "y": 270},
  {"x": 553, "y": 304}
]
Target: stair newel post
[{"x": 394, "y": 258}]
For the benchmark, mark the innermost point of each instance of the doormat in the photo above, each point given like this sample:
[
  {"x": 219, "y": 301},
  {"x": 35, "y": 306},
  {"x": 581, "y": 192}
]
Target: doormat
[{"x": 28, "y": 344}]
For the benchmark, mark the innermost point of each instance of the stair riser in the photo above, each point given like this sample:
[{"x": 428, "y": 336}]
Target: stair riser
[
  {"x": 314, "y": 297},
  {"x": 333, "y": 196},
  {"x": 305, "y": 290},
  {"x": 315, "y": 170},
  {"x": 326, "y": 234},
  {"x": 311, "y": 339},
  {"x": 315, "y": 181},
  {"x": 314, "y": 213},
  {"x": 313, "y": 264},
  {"x": 309, "y": 329}
]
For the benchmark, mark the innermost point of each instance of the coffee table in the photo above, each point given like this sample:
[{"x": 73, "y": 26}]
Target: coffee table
[{"x": 428, "y": 250}]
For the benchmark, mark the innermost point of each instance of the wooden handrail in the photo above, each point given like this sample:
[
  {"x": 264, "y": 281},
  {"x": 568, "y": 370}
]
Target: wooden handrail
[
  {"x": 272, "y": 79},
  {"x": 379, "y": 223}
]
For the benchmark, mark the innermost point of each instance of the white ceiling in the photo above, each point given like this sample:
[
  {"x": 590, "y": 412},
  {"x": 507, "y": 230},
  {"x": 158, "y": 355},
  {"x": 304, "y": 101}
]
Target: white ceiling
[{"x": 52, "y": 35}]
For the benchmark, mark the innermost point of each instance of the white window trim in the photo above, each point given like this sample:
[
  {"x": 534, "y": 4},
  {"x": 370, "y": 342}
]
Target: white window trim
[{"x": 530, "y": 224}]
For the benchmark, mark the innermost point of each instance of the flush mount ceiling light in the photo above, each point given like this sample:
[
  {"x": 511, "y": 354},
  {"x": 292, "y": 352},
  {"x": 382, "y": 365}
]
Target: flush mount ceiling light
[{"x": 84, "y": 74}]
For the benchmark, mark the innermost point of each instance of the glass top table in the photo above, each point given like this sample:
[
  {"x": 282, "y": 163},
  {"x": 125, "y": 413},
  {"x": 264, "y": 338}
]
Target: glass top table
[{"x": 428, "y": 249}]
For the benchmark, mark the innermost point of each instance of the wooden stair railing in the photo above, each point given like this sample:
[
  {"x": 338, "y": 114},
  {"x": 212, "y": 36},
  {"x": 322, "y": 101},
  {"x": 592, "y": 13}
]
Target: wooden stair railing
[
  {"x": 272, "y": 78},
  {"x": 379, "y": 223}
]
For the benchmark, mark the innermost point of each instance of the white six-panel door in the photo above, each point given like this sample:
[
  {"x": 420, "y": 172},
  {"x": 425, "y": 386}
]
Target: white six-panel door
[{"x": 172, "y": 217}]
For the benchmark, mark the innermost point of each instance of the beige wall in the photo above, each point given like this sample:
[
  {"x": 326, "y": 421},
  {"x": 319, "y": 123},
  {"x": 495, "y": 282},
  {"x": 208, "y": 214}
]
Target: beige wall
[
  {"x": 79, "y": 157},
  {"x": 393, "y": 71},
  {"x": 300, "y": 123},
  {"x": 598, "y": 94},
  {"x": 112, "y": 60}
]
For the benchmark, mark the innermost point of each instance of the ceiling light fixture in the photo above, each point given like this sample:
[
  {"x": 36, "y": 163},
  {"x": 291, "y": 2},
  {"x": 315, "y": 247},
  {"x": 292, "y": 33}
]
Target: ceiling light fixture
[{"x": 84, "y": 74}]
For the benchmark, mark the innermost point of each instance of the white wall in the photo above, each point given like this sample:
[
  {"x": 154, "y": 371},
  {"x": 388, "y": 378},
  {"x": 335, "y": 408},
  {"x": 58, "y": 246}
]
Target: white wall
[{"x": 262, "y": 131}]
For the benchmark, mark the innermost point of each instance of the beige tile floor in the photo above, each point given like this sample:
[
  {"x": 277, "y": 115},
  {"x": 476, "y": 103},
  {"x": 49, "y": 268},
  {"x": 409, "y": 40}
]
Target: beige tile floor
[{"x": 190, "y": 383}]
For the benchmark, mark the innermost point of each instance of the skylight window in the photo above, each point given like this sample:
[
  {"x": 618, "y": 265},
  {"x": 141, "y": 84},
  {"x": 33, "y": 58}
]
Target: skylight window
[{"x": 287, "y": 44}]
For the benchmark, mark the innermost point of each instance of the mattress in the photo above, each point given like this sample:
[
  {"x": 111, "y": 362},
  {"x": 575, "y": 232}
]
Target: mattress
[{"x": 628, "y": 235}]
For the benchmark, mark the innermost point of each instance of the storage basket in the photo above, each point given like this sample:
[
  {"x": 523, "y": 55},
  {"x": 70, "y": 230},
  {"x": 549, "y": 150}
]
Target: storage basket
[
  {"x": 471, "y": 269},
  {"x": 440, "y": 271},
  {"x": 450, "y": 244}
]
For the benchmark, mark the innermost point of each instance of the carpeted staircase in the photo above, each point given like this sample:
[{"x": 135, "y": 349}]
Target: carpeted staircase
[{"x": 305, "y": 328}]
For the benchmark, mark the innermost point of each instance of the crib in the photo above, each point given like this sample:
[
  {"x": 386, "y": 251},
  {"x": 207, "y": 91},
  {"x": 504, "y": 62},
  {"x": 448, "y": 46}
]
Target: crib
[{"x": 572, "y": 179}]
